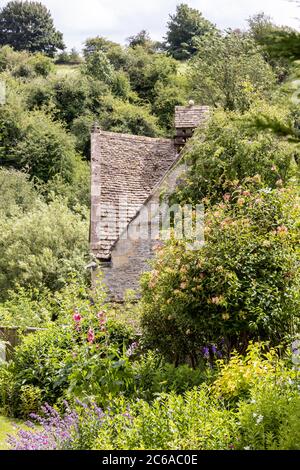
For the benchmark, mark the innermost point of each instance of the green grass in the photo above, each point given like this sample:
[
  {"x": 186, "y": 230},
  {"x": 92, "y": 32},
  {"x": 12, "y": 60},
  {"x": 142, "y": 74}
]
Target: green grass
[
  {"x": 65, "y": 70},
  {"x": 6, "y": 427}
]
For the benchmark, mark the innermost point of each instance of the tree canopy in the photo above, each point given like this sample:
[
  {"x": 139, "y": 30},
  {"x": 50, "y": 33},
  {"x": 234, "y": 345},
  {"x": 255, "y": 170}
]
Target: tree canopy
[
  {"x": 230, "y": 71},
  {"x": 29, "y": 26},
  {"x": 183, "y": 27}
]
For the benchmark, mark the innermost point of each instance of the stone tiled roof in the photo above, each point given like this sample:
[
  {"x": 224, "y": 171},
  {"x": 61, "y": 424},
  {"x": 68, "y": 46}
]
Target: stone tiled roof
[
  {"x": 190, "y": 116},
  {"x": 124, "y": 168}
]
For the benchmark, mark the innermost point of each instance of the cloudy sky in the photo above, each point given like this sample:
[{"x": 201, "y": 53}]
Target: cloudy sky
[{"x": 118, "y": 19}]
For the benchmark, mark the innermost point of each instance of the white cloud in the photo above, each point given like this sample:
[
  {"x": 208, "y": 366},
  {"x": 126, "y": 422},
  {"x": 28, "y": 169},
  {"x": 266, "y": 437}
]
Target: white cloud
[{"x": 118, "y": 19}]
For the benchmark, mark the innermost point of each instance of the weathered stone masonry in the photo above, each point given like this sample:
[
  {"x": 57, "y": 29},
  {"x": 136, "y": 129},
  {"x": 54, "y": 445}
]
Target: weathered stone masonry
[{"x": 128, "y": 175}]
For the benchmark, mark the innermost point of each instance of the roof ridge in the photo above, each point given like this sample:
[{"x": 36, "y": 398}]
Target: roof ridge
[{"x": 135, "y": 137}]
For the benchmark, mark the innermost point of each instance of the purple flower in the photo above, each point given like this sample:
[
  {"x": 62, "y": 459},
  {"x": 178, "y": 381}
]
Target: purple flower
[
  {"x": 213, "y": 349},
  {"x": 206, "y": 352},
  {"x": 131, "y": 350},
  {"x": 53, "y": 431}
]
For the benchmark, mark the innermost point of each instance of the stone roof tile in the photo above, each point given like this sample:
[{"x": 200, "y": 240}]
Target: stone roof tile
[
  {"x": 125, "y": 169},
  {"x": 190, "y": 117}
]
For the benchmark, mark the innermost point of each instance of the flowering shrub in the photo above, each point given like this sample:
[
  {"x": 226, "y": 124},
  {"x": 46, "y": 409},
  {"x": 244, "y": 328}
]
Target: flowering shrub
[
  {"x": 267, "y": 417},
  {"x": 84, "y": 353},
  {"x": 242, "y": 285}
]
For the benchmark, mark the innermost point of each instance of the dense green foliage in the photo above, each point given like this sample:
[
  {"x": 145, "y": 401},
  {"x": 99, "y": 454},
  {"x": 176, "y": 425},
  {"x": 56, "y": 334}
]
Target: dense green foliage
[
  {"x": 263, "y": 417},
  {"x": 41, "y": 247},
  {"x": 202, "y": 359},
  {"x": 231, "y": 149},
  {"x": 186, "y": 25},
  {"x": 242, "y": 284},
  {"x": 29, "y": 26},
  {"x": 229, "y": 71}
]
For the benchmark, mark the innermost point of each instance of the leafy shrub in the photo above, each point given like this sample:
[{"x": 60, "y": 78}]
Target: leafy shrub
[
  {"x": 146, "y": 70},
  {"x": 116, "y": 54},
  {"x": 71, "y": 96},
  {"x": 41, "y": 64},
  {"x": 6, "y": 388},
  {"x": 230, "y": 149},
  {"x": 242, "y": 373},
  {"x": 229, "y": 71},
  {"x": 30, "y": 400},
  {"x": 128, "y": 118},
  {"x": 18, "y": 194},
  {"x": 154, "y": 376},
  {"x": 242, "y": 284},
  {"x": 23, "y": 64},
  {"x": 46, "y": 149},
  {"x": 39, "y": 93},
  {"x": 12, "y": 115},
  {"x": 37, "y": 363},
  {"x": 98, "y": 66},
  {"x": 76, "y": 193},
  {"x": 42, "y": 247},
  {"x": 81, "y": 129},
  {"x": 167, "y": 97},
  {"x": 193, "y": 421},
  {"x": 25, "y": 308},
  {"x": 121, "y": 87},
  {"x": 270, "y": 421}
]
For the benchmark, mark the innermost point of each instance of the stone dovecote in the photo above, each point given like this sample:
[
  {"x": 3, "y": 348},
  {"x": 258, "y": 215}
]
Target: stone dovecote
[{"x": 187, "y": 119}]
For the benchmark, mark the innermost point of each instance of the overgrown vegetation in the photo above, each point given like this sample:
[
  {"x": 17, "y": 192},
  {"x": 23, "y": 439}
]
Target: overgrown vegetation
[{"x": 204, "y": 359}]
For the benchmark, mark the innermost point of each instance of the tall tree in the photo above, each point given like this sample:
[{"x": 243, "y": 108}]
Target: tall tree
[
  {"x": 29, "y": 26},
  {"x": 277, "y": 42},
  {"x": 183, "y": 27},
  {"x": 230, "y": 71},
  {"x": 141, "y": 39}
]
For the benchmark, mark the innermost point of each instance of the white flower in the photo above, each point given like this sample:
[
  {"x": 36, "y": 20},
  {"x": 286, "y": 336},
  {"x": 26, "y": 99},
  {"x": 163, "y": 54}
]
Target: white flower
[
  {"x": 253, "y": 402},
  {"x": 254, "y": 415},
  {"x": 247, "y": 448},
  {"x": 259, "y": 419}
]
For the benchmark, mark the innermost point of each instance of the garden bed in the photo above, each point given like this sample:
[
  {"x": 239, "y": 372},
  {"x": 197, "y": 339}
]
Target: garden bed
[{"x": 7, "y": 426}]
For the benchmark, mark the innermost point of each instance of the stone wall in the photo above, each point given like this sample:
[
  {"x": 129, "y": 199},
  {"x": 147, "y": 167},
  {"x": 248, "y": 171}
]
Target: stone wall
[{"x": 131, "y": 254}]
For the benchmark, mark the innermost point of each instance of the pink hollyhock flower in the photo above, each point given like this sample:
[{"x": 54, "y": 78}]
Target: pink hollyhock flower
[
  {"x": 91, "y": 336},
  {"x": 102, "y": 319},
  {"x": 77, "y": 317}
]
